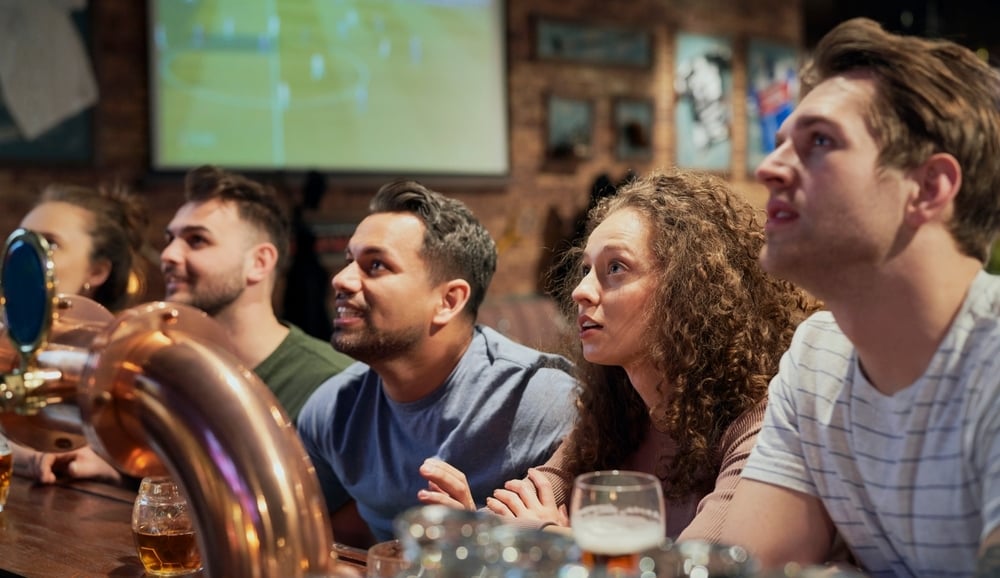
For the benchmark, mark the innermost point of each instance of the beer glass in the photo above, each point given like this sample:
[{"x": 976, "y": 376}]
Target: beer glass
[
  {"x": 6, "y": 469},
  {"x": 814, "y": 571},
  {"x": 163, "y": 529},
  {"x": 442, "y": 542},
  {"x": 615, "y": 515},
  {"x": 696, "y": 558},
  {"x": 385, "y": 560},
  {"x": 532, "y": 553}
]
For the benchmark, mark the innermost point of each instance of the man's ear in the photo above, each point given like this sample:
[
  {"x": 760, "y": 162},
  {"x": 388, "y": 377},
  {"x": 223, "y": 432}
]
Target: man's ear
[
  {"x": 454, "y": 295},
  {"x": 939, "y": 179},
  {"x": 263, "y": 259}
]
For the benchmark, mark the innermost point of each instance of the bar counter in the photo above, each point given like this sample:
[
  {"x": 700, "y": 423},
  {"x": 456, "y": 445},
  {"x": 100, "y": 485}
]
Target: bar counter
[
  {"x": 82, "y": 530},
  {"x": 76, "y": 530}
]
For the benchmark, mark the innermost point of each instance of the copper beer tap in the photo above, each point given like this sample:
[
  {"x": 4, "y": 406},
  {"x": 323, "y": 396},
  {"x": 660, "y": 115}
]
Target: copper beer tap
[{"x": 155, "y": 391}]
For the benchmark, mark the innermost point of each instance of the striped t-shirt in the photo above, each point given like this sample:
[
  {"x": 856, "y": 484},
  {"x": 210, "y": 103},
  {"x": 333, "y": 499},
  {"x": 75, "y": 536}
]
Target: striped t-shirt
[{"x": 912, "y": 480}]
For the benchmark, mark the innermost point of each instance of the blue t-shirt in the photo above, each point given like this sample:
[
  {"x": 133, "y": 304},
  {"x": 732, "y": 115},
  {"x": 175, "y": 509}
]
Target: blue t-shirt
[{"x": 504, "y": 408}]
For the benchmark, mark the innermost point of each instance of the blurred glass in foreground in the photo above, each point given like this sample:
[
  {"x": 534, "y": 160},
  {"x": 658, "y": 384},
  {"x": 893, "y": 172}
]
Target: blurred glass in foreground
[{"x": 696, "y": 559}]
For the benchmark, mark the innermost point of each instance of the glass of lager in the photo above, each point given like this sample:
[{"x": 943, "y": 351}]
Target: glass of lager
[
  {"x": 163, "y": 529},
  {"x": 615, "y": 515}
]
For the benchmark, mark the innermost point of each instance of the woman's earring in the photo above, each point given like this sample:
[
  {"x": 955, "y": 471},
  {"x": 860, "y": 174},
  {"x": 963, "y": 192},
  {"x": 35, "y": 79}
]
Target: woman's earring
[{"x": 86, "y": 286}]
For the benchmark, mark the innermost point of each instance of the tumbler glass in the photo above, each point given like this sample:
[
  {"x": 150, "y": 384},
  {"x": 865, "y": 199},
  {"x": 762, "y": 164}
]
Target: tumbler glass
[
  {"x": 385, "y": 560},
  {"x": 442, "y": 542},
  {"x": 163, "y": 529},
  {"x": 696, "y": 558}
]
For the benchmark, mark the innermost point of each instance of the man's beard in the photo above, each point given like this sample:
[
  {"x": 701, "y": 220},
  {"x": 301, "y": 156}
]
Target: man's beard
[
  {"x": 372, "y": 345},
  {"x": 212, "y": 299}
]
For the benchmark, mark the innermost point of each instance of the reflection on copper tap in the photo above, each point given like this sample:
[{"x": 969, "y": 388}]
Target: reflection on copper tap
[
  {"x": 158, "y": 386},
  {"x": 48, "y": 418},
  {"x": 155, "y": 390}
]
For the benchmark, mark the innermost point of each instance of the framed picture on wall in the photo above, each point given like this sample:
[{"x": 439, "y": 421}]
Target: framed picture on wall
[
  {"x": 570, "y": 127},
  {"x": 772, "y": 90},
  {"x": 703, "y": 83},
  {"x": 71, "y": 140},
  {"x": 592, "y": 43},
  {"x": 633, "y": 124}
]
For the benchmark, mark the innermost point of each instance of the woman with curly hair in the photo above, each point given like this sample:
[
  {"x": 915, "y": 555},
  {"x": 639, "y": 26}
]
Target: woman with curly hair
[{"x": 680, "y": 332}]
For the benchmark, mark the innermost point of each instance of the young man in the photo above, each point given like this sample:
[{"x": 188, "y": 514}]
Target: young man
[
  {"x": 431, "y": 382},
  {"x": 882, "y": 424},
  {"x": 225, "y": 247}
]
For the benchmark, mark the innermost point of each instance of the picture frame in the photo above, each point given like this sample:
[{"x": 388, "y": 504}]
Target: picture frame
[
  {"x": 772, "y": 91},
  {"x": 591, "y": 43},
  {"x": 71, "y": 142},
  {"x": 703, "y": 85},
  {"x": 633, "y": 126},
  {"x": 569, "y": 128}
]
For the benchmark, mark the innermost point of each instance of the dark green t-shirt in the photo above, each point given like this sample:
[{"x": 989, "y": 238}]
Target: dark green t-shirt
[{"x": 297, "y": 367}]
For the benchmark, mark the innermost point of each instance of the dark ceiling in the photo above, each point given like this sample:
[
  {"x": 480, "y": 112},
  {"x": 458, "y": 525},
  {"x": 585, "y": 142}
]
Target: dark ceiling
[{"x": 973, "y": 23}]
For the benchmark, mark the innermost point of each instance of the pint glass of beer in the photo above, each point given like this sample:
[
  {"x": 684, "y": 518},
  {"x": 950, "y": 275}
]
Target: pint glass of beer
[
  {"x": 6, "y": 469},
  {"x": 163, "y": 529},
  {"x": 615, "y": 515}
]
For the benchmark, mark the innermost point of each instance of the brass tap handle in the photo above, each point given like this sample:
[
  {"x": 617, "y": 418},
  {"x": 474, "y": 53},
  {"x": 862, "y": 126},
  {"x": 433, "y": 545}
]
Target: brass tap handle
[
  {"x": 12, "y": 391},
  {"x": 25, "y": 393}
]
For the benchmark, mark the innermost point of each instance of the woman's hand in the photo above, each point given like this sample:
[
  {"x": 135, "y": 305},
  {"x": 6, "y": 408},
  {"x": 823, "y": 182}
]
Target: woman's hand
[
  {"x": 447, "y": 485},
  {"x": 82, "y": 463},
  {"x": 530, "y": 499}
]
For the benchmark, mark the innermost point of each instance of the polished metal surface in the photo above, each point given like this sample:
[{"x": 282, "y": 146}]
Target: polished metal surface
[
  {"x": 44, "y": 414},
  {"x": 155, "y": 390}
]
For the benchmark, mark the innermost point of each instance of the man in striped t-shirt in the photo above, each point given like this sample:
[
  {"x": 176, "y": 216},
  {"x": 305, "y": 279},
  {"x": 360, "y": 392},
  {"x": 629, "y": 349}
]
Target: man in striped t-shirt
[{"x": 883, "y": 423}]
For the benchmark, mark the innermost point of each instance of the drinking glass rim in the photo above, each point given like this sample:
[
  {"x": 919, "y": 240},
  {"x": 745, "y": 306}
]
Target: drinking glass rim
[{"x": 582, "y": 480}]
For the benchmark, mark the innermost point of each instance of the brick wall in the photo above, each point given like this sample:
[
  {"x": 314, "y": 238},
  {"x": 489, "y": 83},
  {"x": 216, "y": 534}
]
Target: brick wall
[{"x": 535, "y": 207}]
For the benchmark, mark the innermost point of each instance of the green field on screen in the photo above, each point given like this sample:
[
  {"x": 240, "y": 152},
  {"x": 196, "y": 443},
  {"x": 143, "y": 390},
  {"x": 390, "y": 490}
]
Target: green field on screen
[{"x": 355, "y": 85}]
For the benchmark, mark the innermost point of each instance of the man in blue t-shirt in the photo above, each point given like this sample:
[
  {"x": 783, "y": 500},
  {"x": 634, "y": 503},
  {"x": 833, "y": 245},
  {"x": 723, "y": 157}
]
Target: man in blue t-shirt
[{"x": 430, "y": 382}]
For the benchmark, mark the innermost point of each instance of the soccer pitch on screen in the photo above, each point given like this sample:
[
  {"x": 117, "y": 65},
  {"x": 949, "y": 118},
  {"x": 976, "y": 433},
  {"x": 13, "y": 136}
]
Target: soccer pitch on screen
[{"x": 362, "y": 86}]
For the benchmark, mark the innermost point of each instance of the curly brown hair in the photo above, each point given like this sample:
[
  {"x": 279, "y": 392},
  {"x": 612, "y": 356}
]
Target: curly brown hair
[{"x": 717, "y": 326}]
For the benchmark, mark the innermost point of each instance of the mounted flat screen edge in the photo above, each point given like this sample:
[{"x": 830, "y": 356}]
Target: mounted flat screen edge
[{"x": 349, "y": 86}]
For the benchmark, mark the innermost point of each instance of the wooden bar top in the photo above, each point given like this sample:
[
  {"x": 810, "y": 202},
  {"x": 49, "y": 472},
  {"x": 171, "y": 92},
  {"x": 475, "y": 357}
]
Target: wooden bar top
[
  {"x": 81, "y": 530},
  {"x": 73, "y": 530}
]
